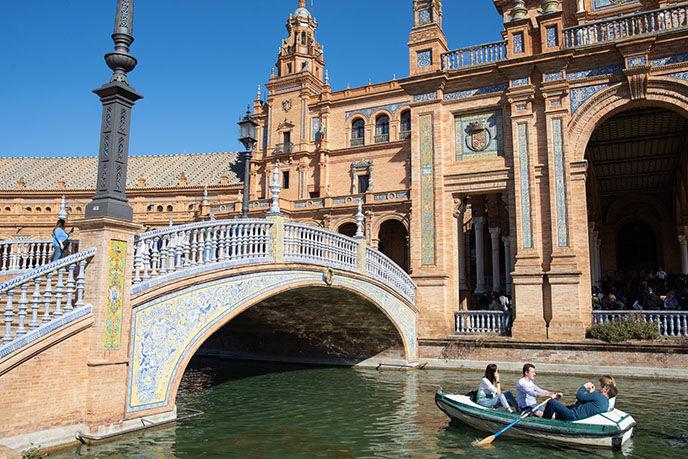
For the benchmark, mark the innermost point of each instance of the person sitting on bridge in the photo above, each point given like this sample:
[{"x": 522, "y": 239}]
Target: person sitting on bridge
[{"x": 589, "y": 404}]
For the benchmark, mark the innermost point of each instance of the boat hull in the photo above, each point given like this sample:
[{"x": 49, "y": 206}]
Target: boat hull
[{"x": 608, "y": 430}]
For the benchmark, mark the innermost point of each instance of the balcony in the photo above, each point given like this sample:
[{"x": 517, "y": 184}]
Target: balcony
[
  {"x": 474, "y": 55},
  {"x": 633, "y": 25},
  {"x": 404, "y": 135},
  {"x": 282, "y": 148},
  {"x": 355, "y": 142},
  {"x": 382, "y": 138}
]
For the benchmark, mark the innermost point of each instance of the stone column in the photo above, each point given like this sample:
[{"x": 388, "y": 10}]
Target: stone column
[
  {"x": 594, "y": 255},
  {"x": 461, "y": 243},
  {"x": 496, "y": 273},
  {"x": 478, "y": 223},
  {"x": 684, "y": 253},
  {"x": 507, "y": 263}
]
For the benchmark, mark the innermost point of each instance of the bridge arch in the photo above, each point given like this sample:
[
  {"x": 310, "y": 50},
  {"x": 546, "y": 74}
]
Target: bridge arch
[{"x": 168, "y": 330}]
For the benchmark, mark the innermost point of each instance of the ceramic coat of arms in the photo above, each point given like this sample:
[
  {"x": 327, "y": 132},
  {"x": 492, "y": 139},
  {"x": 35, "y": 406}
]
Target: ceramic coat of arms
[{"x": 479, "y": 136}]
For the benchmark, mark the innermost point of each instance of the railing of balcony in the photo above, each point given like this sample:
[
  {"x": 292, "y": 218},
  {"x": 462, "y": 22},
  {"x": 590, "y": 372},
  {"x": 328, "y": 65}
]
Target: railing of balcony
[
  {"x": 286, "y": 147},
  {"x": 669, "y": 323},
  {"x": 474, "y": 322},
  {"x": 357, "y": 141},
  {"x": 382, "y": 138},
  {"x": 404, "y": 135},
  {"x": 474, "y": 55},
  {"x": 647, "y": 22}
]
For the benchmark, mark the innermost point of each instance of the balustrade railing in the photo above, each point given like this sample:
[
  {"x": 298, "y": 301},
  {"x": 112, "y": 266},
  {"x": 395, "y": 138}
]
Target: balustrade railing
[
  {"x": 648, "y": 22},
  {"x": 18, "y": 255},
  {"x": 380, "y": 267},
  {"x": 235, "y": 242},
  {"x": 167, "y": 250},
  {"x": 474, "y": 55},
  {"x": 43, "y": 295},
  {"x": 669, "y": 323},
  {"x": 309, "y": 244},
  {"x": 474, "y": 322}
]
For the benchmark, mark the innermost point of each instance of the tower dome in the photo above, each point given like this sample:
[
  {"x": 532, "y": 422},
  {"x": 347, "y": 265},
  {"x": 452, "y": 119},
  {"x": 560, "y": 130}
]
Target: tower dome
[{"x": 301, "y": 11}]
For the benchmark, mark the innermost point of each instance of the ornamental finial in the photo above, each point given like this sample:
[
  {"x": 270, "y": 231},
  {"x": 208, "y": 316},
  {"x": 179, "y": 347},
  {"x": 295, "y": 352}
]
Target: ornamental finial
[
  {"x": 62, "y": 214},
  {"x": 120, "y": 61},
  {"x": 275, "y": 189},
  {"x": 302, "y": 3},
  {"x": 359, "y": 219}
]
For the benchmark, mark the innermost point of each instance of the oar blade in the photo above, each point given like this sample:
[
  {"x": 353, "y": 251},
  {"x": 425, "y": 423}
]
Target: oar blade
[{"x": 484, "y": 442}]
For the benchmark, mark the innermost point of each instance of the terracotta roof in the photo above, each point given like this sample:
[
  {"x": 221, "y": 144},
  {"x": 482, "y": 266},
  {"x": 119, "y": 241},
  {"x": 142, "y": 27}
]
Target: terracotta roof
[{"x": 161, "y": 171}]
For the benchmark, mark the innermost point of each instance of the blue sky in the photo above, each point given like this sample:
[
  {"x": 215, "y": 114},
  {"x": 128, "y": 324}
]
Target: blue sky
[{"x": 200, "y": 64}]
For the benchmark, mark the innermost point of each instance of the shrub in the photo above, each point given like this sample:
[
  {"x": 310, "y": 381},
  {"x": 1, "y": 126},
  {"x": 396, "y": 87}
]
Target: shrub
[
  {"x": 623, "y": 329},
  {"x": 35, "y": 453}
]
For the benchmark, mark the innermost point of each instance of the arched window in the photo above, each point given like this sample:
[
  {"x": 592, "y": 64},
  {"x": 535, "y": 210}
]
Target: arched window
[
  {"x": 357, "y": 132},
  {"x": 382, "y": 129},
  {"x": 169, "y": 208},
  {"x": 78, "y": 209},
  {"x": 159, "y": 209},
  {"x": 150, "y": 208},
  {"x": 48, "y": 210},
  {"x": 38, "y": 210},
  {"x": 8, "y": 210},
  {"x": 405, "y": 128},
  {"x": 28, "y": 210},
  {"x": 191, "y": 207}
]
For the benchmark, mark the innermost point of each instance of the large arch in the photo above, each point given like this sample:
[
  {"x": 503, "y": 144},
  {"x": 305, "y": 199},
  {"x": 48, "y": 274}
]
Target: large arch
[
  {"x": 618, "y": 188},
  {"x": 167, "y": 331},
  {"x": 663, "y": 92}
]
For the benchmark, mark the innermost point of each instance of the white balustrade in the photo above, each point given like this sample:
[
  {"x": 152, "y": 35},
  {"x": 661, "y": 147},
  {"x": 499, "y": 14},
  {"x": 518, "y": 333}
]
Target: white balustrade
[
  {"x": 310, "y": 244},
  {"x": 669, "y": 323},
  {"x": 249, "y": 241},
  {"x": 648, "y": 22},
  {"x": 474, "y": 322},
  {"x": 177, "y": 248},
  {"x": 474, "y": 55},
  {"x": 67, "y": 297},
  {"x": 25, "y": 254},
  {"x": 380, "y": 267}
]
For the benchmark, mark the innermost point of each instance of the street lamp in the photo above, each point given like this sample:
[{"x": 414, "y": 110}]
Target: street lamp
[{"x": 247, "y": 136}]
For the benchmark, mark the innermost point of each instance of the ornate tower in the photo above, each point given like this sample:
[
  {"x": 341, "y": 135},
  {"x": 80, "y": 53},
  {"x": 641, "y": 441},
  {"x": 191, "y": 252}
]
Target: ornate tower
[
  {"x": 427, "y": 41},
  {"x": 299, "y": 51},
  {"x": 117, "y": 98},
  {"x": 289, "y": 125}
]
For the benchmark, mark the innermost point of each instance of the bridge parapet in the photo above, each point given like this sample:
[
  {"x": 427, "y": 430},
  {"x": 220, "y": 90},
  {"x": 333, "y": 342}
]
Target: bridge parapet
[
  {"x": 56, "y": 305},
  {"x": 165, "y": 254}
]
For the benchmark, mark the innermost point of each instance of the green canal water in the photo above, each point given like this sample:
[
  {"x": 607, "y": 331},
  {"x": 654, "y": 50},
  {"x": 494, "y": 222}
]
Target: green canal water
[{"x": 282, "y": 411}]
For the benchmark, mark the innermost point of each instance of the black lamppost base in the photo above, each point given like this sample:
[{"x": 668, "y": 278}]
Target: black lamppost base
[{"x": 109, "y": 207}]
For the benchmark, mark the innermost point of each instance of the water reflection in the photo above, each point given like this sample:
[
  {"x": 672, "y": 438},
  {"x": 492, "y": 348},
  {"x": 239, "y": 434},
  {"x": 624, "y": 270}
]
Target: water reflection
[{"x": 263, "y": 410}]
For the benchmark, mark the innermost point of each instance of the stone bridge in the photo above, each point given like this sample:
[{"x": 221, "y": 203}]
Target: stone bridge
[{"x": 105, "y": 335}]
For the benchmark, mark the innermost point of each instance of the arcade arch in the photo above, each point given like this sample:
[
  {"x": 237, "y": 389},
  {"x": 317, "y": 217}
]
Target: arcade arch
[{"x": 637, "y": 155}]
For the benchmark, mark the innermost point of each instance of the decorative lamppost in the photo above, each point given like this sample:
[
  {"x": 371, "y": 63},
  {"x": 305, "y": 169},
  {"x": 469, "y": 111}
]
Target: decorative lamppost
[
  {"x": 247, "y": 136},
  {"x": 117, "y": 98}
]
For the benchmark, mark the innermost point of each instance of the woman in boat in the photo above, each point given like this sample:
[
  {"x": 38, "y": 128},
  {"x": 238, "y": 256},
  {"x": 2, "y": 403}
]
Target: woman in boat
[{"x": 490, "y": 390}]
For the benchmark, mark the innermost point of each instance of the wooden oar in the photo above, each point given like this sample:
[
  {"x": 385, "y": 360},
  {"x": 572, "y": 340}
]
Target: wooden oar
[{"x": 491, "y": 438}]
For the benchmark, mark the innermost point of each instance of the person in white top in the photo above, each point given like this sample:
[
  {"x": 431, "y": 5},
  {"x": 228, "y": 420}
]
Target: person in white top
[
  {"x": 527, "y": 392},
  {"x": 490, "y": 390}
]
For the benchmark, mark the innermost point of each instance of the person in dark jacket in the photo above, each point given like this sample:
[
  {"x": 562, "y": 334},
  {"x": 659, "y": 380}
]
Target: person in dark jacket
[{"x": 589, "y": 403}]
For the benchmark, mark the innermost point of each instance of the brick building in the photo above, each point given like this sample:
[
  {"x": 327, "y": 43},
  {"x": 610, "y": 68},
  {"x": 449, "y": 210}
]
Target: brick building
[{"x": 533, "y": 165}]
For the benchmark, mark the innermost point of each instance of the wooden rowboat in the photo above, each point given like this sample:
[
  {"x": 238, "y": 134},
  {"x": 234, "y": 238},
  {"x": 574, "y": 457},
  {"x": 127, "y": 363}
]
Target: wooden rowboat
[{"x": 610, "y": 429}]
